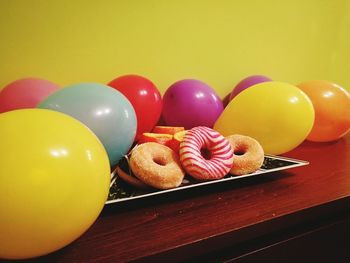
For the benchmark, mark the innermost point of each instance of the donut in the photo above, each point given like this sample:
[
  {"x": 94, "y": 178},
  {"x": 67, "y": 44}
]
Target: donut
[
  {"x": 156, "y": 165},
  {"x": 248, "y": 154},
  {"x": 125, "y": 173},
  {"x": 205, "y": 154}
]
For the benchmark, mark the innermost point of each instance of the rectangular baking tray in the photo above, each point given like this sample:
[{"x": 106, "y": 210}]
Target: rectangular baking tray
[{"x": 122, "y": 192}]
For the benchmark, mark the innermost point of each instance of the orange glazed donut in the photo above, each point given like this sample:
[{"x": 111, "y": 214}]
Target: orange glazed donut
[
  {"x": 248, "y": 154},
  {"x": 205, "y": 154},
  {"x": 156, "y": 165}
]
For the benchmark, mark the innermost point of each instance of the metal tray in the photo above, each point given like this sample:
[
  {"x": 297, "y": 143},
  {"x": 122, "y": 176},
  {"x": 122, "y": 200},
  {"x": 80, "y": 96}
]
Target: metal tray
[{"x": 121, "y": 191}]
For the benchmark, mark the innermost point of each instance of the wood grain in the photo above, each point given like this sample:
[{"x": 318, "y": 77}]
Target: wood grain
[{"x": 187, "y": 224}]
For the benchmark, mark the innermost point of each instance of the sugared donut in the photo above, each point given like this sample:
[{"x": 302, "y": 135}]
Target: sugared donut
[
  {"x": 205, "y": 154},
  {"x": 248, "y": 154},
  {"x": 156, "y": 165}
]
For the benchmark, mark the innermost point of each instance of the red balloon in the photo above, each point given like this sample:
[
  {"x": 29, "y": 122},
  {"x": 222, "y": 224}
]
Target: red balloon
[
  {"x": 144, "y": 97},
  {"x": 25, "y": 93}
]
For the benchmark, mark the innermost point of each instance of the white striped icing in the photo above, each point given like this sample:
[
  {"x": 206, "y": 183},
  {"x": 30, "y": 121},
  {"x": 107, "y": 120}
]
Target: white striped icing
[{"x": 195, "y": 164}]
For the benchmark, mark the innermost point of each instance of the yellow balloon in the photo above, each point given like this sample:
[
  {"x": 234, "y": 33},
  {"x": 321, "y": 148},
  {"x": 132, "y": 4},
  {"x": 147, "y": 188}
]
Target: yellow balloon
[
  {"x": 277, "y": 114},
  {"x": 54, "y": 181}
]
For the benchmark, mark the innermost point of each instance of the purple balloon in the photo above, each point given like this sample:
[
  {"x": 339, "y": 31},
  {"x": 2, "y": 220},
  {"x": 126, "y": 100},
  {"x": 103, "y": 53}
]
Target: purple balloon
[
  {"x": 246, "y": 83},
  {"x": 189, "y": 103}
]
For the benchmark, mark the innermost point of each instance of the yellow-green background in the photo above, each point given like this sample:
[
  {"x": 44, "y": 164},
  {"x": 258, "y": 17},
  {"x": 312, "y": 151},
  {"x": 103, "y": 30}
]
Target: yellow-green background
[{"x": 217, "y": 41}]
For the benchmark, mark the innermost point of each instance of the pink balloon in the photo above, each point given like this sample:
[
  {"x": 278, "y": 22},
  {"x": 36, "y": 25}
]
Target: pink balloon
[
  {"x": 25, "y": 93},
  {"x": 246, "y": 83}
]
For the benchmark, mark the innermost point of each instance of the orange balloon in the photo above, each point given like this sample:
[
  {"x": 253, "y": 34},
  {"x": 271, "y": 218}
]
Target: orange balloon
[{"x": 332, "y": 110}]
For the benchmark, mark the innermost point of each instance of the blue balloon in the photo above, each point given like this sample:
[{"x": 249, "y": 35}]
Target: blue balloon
[{"x": 106, "y": 111}]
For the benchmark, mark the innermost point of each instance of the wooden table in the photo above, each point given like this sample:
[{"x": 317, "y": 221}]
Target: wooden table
[{"x": 298, "y": 215}]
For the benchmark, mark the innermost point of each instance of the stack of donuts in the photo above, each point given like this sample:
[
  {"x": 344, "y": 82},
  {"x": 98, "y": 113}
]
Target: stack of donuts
[{"x": 203, "y": 154}]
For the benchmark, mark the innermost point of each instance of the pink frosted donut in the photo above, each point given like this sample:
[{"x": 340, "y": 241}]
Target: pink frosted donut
[{"x": 205, "y": 154}]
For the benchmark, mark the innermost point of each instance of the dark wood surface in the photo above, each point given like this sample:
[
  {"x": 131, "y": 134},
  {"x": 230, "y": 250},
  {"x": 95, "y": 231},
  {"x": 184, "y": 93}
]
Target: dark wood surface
[{"x": 233, "y": 220}]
